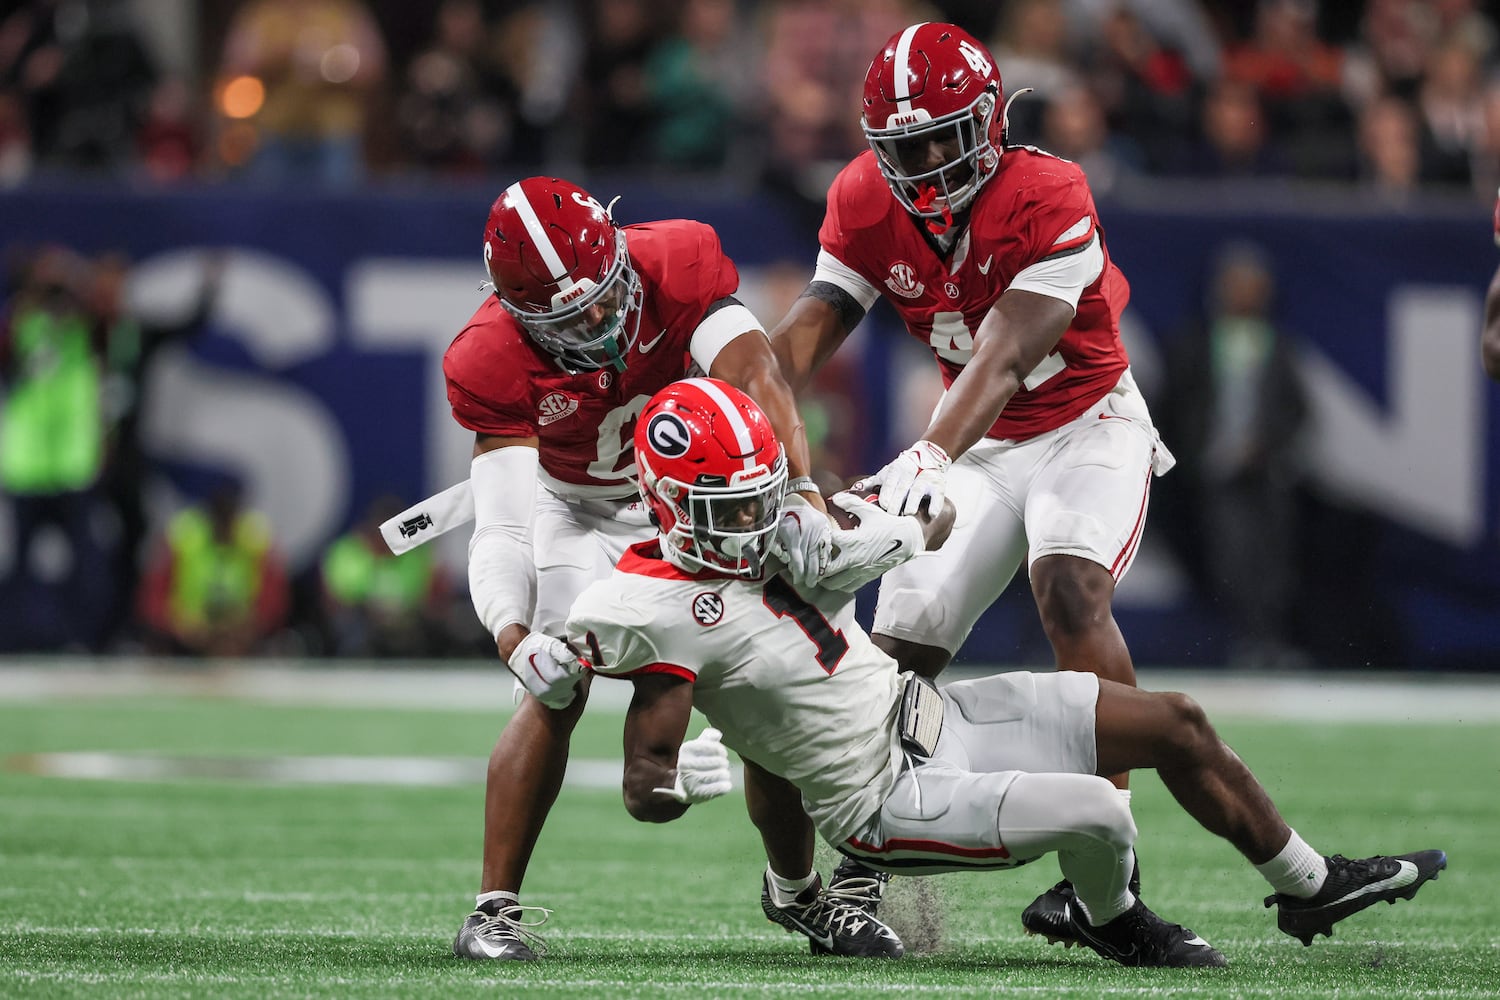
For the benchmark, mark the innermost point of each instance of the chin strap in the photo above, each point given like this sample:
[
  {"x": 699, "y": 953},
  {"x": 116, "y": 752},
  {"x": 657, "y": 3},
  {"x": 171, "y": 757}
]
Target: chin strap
[{"x": 923, "y": 203}]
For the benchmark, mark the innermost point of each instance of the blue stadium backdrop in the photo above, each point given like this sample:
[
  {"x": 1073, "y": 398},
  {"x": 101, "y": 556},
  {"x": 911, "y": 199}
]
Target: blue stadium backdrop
[{"x": 319, "y": 380}]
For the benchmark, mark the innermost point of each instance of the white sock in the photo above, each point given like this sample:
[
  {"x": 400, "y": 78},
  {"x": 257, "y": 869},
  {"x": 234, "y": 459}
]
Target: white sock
[
  {"x": 508, "y": 897},
  {"x": 1124, "y": 794},
  {"x": 1297, "y": 871},
  {"x": 784, "y": 891}
]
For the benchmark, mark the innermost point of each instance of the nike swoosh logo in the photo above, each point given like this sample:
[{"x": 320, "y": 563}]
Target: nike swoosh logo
[
  {"x": 826, "y": 940},
  {"x": 1113, "y": 416},
  {"x": 490, "y": 950},
  {"x": 985, "y": 267},
  {"x": 895, "y": 547},
  {"x": 647, "y": 345},
  {"x": 1406, "y": 876}
]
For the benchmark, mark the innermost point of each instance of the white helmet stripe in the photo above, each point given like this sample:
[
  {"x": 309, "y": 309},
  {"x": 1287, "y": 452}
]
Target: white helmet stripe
[
  {"x": 538, "y": 234},
  {"x": 903, "y": 67},
  {"x": 736, "y": 422}
]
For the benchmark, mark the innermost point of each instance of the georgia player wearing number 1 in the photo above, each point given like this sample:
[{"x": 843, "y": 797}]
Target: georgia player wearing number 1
[
  {"x": 984, "y": 774},
  {"x": 588, "y": 320},
  {"x": 994, "y": 257}
]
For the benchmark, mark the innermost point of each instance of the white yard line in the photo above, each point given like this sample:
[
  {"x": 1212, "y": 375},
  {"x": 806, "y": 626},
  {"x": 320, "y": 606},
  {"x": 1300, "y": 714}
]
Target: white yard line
[{"x": 482, "y": 687}]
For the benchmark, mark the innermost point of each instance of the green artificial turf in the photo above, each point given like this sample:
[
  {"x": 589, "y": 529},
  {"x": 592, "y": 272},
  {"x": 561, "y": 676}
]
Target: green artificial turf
[{"x": 214, "y": 888}]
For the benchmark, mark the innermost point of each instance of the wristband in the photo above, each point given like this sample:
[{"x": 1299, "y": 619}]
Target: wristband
[{"x": 802, "y": 484}]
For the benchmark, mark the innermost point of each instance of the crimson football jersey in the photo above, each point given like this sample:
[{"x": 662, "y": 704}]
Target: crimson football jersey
[
  {"x": 501, "y": 383},
  {"x": 1036, "y": 207}
]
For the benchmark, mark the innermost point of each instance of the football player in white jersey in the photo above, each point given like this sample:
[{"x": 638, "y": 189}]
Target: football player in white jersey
[{"x": 988, "y": 773}]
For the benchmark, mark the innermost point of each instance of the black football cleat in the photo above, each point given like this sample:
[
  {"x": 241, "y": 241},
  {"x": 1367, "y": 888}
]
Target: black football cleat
[
  {"x": 1048, "y": 913},
  {"x": 1350, "y": 887},
  {"x": 1139, "y": 937},
  {"x": 502, "y": 933},
  {"x": 859, "y": 886},
  {"x": 832, "y": 924}
]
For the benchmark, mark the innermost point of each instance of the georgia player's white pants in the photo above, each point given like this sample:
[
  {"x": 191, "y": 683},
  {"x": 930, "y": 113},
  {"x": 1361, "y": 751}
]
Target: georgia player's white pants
[
  {"x": 574, "y": 543},
  {"x": 1012, "y": 778},
  {"x": 1078, "y": 490}
]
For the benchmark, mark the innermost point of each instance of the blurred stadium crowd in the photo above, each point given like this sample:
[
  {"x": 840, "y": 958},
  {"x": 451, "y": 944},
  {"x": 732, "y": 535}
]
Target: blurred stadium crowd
[
  {"x": 1391, "y": 94},
  {"x": 90, "y": 572},
  {"x": 1390, "y": 97}
]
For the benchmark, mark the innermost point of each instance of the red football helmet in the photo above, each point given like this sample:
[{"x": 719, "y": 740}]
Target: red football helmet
[
  {"x": 559, "y": 265},
  {"x": 713, "y": 473},
  {"x": 934, "y": 83}
]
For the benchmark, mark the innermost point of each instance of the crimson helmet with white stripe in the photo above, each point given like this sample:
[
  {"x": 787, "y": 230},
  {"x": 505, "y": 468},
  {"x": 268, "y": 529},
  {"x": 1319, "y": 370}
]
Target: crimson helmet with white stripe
[
  {"x": 934, "y": 83},
  {"x": 559, "y": 265},
  {"x": 713, "y": 474}
]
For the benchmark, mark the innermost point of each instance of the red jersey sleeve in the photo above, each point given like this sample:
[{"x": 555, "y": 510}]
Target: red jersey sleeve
[
  {"x": 489, "y": 394},
  {"x": 858, "y": 202},
  {"x": 683, "y": 269},
  {"x": 1054, "y": 209}
]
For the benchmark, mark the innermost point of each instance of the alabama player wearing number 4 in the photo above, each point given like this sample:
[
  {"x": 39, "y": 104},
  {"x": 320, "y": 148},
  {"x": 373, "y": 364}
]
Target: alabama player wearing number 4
[
  {"x": 984, "y": 774},
  {"x": 588, "y": 319},
  {"x": 994, "y": 257}
]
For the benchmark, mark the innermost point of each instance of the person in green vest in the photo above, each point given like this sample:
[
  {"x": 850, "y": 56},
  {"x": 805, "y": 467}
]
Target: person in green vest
[
  {"x": 130, "y": 346},
  {"x": 379, "y": 604},
  {"x": 51, "y": 447},
  {"x": 216, "y": 584}
]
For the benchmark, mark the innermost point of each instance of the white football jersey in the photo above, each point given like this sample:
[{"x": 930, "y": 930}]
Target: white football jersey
[{"x": 792, "y": 681}]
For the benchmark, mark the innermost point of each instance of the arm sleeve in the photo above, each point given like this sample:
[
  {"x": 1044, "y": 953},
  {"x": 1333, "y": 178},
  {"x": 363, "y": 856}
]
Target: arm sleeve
[
  {"x": 835, "y": 272},
  {"x": 1064, "y": 275},
  {"x": 502, "y": 574},
  {"x": 725, "y": 320}
]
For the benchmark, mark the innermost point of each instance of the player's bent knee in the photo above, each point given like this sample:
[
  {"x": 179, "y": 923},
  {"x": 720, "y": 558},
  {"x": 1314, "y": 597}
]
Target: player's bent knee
[
  {"x": 1085, "y": 810},
  {"x": 1186, "y": 724},
  {"x": 1073, "y": 595},
  {"x": 1104, "y": 817}
]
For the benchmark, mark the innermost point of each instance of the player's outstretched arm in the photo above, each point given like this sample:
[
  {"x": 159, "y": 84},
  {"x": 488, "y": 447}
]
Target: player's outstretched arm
[
  {"x": 502, "y": 584},
  {"x": 1019, "y": 331},
  {"x": 655, "y": 726},
  {"x": 813, "y": 328},
  {"x": 748, "y": 364}
]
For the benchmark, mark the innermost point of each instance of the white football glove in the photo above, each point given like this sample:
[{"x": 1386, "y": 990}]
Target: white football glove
[
  {"x": 702, "y": 770},
  {"x": 912, "y": 476},
  {"x": 546, "y": 668},
  {"x": 804, "y": 537},
  {"x": 881, "y": 541}
]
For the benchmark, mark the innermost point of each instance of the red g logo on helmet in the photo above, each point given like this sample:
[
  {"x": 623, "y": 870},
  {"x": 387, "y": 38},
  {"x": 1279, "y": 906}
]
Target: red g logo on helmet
[
  {"x": 560, "y": 267},
  {"x": 934, "y": 84}
]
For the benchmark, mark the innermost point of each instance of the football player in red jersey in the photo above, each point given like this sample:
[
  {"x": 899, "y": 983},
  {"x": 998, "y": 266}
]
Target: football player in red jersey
[
  {"x": 587, "y": 322},
  {"x": 1489, "y": 341},
  {"x": 994, "y": 257}
]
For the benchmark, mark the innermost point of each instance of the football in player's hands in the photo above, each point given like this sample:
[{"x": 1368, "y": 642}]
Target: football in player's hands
[{"x": 934, "y": 528}]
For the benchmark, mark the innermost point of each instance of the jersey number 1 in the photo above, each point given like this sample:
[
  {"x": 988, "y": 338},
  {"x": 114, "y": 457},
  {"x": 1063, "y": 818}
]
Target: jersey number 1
[{"x": 784, "y": 600}]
